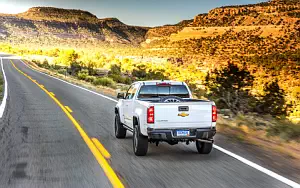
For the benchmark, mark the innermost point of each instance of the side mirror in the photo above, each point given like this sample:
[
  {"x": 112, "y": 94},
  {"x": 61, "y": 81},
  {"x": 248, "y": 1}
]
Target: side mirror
[{"x": 121, "y": 96}]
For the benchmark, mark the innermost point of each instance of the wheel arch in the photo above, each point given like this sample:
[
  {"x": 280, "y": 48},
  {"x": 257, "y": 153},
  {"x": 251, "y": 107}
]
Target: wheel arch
[
  {"x": 136, "y": 121},
  {"x": 142, "y": 128},
  {"x": 117, "y": 110}
]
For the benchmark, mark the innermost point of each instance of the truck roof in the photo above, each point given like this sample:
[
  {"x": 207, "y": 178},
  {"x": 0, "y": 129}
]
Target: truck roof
[{"x": 154, "y": 82}]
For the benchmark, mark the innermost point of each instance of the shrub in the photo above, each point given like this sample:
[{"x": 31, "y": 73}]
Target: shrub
[
  {"x": 127, "y": 81},
  {"x": 273, "y": 101},
  {"x": 90, "y": 78},
  {"x": 45, "y": 64},
  {"x": 56, "y": 67},
  {"x": 75, "y": 69},
  {"x": 117, "y": 78},
  {"x": 285, "y": 131},
  {"x": 121, "y": 79},
  {"x": 62, "y": 71},
  {"x": 115, "y": 69},
  {"x": 105, "y": 81},
  {"x": 82, "y": 74}
]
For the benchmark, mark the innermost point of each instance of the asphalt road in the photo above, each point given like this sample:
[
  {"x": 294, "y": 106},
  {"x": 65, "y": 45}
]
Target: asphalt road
[{"x": 40, "y": 147}]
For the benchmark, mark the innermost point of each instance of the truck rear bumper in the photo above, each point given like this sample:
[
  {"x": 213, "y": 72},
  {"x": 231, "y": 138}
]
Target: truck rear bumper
[{"x": 171, "y": 134}]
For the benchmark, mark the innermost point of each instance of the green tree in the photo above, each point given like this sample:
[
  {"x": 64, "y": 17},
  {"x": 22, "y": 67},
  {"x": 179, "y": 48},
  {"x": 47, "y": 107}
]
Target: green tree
[
  {"x": 115, "y": 69},
  {"x": 45, "y": 64},
  {"x": 273, "y": 101},
  {"x": 229, "y": 88}
]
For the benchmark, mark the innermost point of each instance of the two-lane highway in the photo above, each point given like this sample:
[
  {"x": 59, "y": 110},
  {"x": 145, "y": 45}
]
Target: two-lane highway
[{"x": 41, "y": 147}]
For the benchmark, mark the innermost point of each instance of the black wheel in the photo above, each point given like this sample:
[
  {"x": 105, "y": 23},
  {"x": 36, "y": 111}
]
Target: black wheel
[
  {"x": 140, "y": 142},
  {"x": 120, "y": 131},
  {"x": 203, "y": 147}
]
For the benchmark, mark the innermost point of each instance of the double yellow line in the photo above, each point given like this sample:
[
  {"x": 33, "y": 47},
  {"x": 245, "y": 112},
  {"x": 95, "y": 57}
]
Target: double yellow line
[{"x": 95, "y": 146}]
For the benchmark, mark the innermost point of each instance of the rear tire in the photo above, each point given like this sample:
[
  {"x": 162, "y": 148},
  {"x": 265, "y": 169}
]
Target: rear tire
[
  {"x": 120, "y": 131},
  {"x": 203, "y": 147},
  {"x": 140, "y": 142}
]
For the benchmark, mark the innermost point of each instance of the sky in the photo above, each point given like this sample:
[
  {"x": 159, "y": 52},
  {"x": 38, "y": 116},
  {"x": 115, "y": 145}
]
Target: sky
[{"x": 132, "y": 12}]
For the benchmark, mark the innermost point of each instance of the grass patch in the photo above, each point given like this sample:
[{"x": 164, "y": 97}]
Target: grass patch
[
  {"x": 281, "y": 137},
  {"x": 105, "y": 81},
  {"x": 286, "y": 132}
]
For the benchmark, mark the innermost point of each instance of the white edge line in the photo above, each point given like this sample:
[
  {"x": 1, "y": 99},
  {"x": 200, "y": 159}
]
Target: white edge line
[
  {"x": 259, "y": 168},
  {"x": 241, "y": 159},
  {"x": 3, "y": 104}
]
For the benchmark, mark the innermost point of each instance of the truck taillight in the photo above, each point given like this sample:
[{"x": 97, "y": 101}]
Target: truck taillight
[
  {"x": 163, "y": 84},
  {"x": 214, "y": 114},
  {"x": 150, "y": 114}
]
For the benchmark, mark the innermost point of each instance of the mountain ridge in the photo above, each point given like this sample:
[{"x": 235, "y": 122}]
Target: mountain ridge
[{"x": 69, "y": 24}]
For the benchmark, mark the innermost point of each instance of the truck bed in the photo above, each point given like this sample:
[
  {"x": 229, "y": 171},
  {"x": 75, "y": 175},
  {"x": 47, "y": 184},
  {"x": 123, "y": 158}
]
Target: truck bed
[{"x": 190, "y": 113}]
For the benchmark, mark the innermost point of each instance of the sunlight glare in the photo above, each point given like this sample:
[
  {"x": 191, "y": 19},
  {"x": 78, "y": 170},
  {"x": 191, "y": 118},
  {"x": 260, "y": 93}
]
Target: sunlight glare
[{"x": 12, "y": 8}]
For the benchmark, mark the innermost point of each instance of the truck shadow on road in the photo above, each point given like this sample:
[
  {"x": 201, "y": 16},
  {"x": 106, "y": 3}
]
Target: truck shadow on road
[{"x": 164, "y": 151}]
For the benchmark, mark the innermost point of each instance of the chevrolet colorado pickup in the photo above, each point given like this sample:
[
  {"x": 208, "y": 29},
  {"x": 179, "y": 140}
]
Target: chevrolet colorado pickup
[{"x": 164, "y": 111}]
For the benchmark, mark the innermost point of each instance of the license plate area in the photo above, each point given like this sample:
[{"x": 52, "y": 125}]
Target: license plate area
[
  {"x": 183, "y": 108},
  {"x": 180, "y": 133}
]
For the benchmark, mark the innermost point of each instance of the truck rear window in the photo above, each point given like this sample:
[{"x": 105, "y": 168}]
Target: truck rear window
[{"x": 154, "y": 91}]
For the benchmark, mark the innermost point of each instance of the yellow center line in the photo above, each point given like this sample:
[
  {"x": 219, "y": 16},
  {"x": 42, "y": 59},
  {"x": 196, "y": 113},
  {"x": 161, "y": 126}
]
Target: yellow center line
[
  {"x": 101, "y": 148},
  {"x": 114, "y": 179},
  {"x": 51, "y": 93},
  {"x": 69, "y": 109}
]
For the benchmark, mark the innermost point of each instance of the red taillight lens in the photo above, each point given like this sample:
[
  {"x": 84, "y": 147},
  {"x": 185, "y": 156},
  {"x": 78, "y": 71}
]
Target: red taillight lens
[
  {"x": 214, "y": 114},
  {"x": 150, "y": 114}
]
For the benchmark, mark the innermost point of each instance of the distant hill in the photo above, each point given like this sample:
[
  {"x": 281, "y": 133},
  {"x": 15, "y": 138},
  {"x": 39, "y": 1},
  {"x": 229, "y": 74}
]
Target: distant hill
[
  {"x": 47, "y": 24},
  {"x": 167, "y": 30},
  {"x": 265, "y": 28},
  {"x": 275, "y": 12}
]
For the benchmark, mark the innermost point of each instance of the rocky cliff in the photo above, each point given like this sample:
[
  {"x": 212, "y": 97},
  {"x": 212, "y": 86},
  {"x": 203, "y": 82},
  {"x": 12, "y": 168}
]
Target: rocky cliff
[{"x": 267, "y": 13}]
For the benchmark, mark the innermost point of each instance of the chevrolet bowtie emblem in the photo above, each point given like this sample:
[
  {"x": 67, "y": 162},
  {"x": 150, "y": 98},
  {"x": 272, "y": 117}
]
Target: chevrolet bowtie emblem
[{"x": 183, "y": 114}]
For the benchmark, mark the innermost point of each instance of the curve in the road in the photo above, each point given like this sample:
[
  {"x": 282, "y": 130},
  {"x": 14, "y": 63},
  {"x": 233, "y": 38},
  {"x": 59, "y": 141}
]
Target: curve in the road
[{"x": 114, "y": 179}]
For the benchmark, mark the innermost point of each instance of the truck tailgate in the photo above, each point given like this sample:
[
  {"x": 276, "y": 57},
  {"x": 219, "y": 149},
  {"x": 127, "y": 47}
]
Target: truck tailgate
[{"x": 183, "y": 115}]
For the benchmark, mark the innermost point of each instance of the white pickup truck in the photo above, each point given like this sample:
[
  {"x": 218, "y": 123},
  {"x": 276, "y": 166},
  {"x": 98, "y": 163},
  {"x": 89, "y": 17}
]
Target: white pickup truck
[{"x": 157, "y": 111}]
